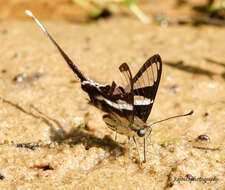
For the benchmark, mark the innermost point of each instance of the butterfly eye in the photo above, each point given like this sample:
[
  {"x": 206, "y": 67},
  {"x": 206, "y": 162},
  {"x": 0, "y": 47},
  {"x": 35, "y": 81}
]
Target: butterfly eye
[{"x": 141, "y": 132}]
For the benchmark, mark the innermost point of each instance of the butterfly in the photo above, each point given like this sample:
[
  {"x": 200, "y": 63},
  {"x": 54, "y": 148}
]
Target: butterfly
[{"x": 127, "y": 108}]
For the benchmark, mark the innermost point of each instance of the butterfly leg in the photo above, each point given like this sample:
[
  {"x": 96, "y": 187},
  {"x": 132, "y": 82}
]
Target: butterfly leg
[
  {"x": 151, "y": 144},
  {"x": 136, "y": 144},
  {"x": 144, "y": 150},
  {"x": 115, "y": 135},
  {"x": 128, "y": 148}
]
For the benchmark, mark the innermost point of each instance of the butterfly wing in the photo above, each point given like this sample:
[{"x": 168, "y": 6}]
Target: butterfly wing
[
  {"x": 145, "y": 84},
  {"x": 120, "y": 105},
  {"x": 129, "y": 95},
  {"x": 137, "y": 98},
  {"x": 133, "y": 101}
]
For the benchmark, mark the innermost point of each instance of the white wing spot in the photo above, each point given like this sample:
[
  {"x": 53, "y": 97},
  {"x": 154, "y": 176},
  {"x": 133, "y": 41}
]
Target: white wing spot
[
  {"x": 143, "y": 102},
  {"x": 93, "y": 83}
]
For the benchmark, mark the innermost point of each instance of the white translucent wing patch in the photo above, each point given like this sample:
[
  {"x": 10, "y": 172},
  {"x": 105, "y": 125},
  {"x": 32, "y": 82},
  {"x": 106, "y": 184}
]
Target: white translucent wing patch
[
  {"x": 126, "y": 78},
  {"x": 148, "y": 77}
]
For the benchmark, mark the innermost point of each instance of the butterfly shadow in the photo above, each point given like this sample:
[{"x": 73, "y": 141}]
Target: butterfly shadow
[
  {"x": 222, "y": 64},
  {"x": 190, "y": 69},
  {"x": 75, "y": 136}
]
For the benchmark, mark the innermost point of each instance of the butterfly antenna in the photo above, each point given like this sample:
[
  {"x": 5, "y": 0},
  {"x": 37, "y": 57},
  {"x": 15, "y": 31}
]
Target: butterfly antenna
[
  {"x": 65, "y": 56},
  {"x": 182, "y": 115}
]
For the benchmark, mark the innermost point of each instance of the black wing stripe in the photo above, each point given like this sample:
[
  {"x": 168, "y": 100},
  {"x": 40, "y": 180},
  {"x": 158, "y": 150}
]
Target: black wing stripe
[{"x": 146, "y": 92}]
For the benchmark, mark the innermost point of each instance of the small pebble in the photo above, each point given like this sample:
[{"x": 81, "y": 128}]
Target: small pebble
[
  {"x": 117, "y": 152},
  {"x": 24, "y": 78},
  {"x": 190, "y": 177},
  {"x": 203, "y": 138},
  {"x": 206, "y": 114},
  {"x": 20, "y": 77},
  {"x": 175, "y": 88},
  {"x": 2, "y": 177},
  {"x": 4, "y": 70}
]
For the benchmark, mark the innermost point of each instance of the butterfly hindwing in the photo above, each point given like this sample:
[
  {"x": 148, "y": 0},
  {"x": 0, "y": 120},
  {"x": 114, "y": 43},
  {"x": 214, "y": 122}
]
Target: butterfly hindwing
[{"x": 129, "y": 96}]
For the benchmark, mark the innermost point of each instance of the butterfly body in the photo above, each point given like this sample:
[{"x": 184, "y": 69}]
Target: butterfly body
[{"x": 123, "y": 126}]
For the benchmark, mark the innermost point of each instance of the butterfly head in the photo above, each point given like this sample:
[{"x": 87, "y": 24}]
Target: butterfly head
[{"x": 145, "y": 131}]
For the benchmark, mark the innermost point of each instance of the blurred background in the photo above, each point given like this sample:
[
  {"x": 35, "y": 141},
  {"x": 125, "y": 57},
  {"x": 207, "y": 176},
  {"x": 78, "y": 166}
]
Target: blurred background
[{"x": 174, "y": 11}]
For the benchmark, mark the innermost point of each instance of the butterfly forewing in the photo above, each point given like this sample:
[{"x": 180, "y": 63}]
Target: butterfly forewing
[{"x": 146, "y": 83}]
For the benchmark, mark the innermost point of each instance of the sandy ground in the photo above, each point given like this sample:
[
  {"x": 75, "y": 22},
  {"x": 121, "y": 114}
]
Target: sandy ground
[{"x": 51, "y": 138}]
